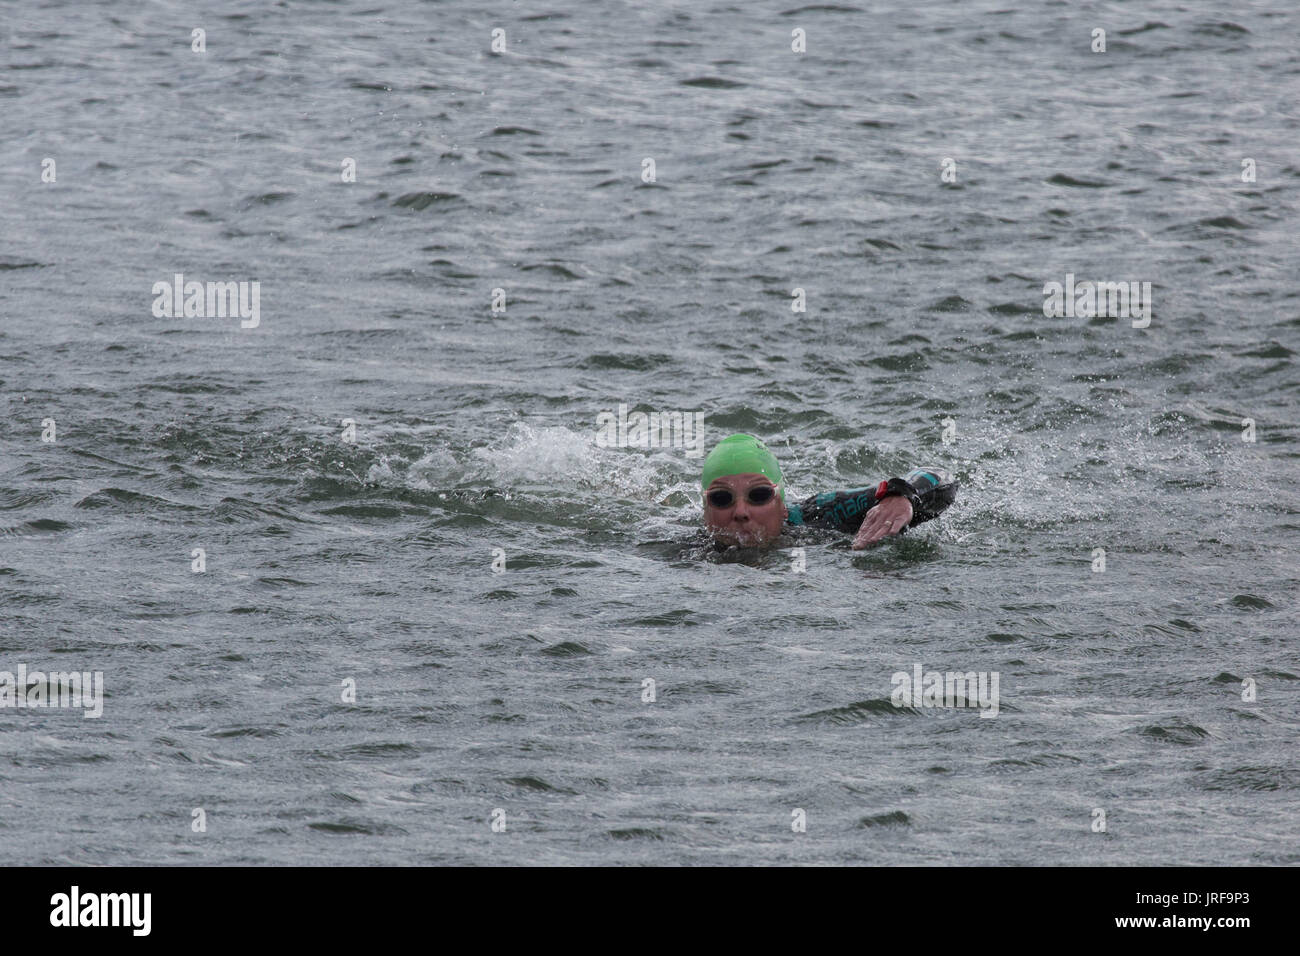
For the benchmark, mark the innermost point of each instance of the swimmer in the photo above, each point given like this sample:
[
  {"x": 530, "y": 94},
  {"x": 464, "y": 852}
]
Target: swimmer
[{"x": 744, "y": 499}]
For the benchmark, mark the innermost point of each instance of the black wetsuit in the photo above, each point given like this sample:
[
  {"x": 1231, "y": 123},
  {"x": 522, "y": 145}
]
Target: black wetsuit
[{"x": 930, "y": 490}]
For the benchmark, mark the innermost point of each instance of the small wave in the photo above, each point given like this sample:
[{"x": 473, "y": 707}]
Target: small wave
[
  {"x": 635, "y": 833},
  {"x": 713, "y": 83},
  {"x": 1221, "y": 29},
  {"x": 423, "y": 200},
  {"x": 897, "y": 818},
  {"x": 535, "y": 784},
  {"x": 1259, "y": 779},
  {"x": 1060, "y": 179},
  {"x": 349, "y": 827},
  {"x": 1182, "y": 733},
  {"x": 437, "y": 468},
  {"x": 557, "y": 456},
  {"x": 860, "y": 712},
  {"x": 566, "y": 649},
  {"x": 124, "y": 500}
]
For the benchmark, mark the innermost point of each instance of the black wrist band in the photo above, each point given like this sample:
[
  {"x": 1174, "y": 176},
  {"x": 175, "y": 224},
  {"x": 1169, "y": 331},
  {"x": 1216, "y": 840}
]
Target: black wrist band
[{"x": 897, "y": 486}]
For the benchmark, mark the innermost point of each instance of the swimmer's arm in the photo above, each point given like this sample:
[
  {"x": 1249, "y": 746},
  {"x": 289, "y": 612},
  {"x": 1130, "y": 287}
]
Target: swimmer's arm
[{"x": 934, "y": 491}]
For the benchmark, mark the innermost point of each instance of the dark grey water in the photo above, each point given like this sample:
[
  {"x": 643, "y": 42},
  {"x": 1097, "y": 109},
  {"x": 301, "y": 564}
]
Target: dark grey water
[{"x": 329, "y": 561}]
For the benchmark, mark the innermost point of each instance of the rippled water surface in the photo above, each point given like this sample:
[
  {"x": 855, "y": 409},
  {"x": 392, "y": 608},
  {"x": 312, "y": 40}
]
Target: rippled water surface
[{"x": 330, "y": 561}]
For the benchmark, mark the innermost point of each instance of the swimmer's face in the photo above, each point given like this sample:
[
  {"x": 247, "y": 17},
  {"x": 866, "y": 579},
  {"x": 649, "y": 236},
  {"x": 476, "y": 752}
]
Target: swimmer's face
[{"x": 733, "y": 519}]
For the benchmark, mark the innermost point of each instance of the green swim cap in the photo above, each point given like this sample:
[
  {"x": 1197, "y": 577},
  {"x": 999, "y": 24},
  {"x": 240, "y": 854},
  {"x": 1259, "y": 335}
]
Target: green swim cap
[{"x": 741, "y": 455}]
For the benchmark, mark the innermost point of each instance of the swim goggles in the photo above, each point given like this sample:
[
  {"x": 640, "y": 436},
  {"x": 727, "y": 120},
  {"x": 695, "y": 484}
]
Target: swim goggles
[{"x": 756, "y": 495}]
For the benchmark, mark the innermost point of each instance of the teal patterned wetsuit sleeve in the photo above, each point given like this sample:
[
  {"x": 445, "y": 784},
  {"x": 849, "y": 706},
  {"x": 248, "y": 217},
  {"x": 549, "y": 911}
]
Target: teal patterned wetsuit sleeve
[{"x": 844, "y": 510}]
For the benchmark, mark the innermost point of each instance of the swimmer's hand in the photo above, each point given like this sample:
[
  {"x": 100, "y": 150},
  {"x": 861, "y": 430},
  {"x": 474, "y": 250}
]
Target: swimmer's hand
[{"x": 889, "y": 517}]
